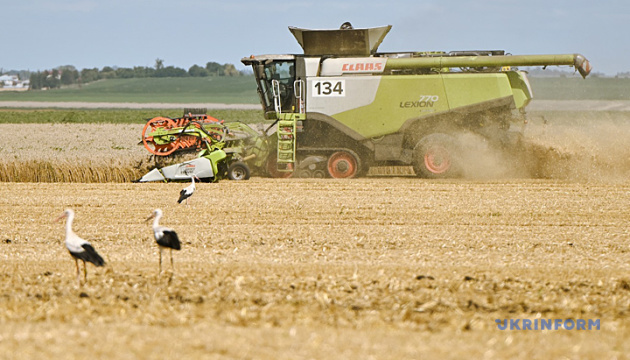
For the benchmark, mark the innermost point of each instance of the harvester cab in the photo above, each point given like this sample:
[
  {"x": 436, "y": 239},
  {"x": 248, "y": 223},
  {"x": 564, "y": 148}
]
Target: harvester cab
[
  {"x": 276, "y": 80},
  {"x": 342, "y": 106}
]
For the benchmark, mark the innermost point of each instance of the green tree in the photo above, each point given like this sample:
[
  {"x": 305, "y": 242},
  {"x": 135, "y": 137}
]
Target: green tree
[
  {"x": 69, "y": 76},
  {"x": 124, "y": 73},
  {"x": 198, "y": 71},
  {"x": 108, "y": 72},
  {"x": 159, "y": 64},
  {"x": 214, "y": 69},
  {"x": 89, "y": 75},
  {"x": 52, "y": 79},
  {"x": 171, "y": 71},
  {"x": 230, "y": 70},
  {"x": 143, "y": 72},
  {"x": 35, "y": 81}
]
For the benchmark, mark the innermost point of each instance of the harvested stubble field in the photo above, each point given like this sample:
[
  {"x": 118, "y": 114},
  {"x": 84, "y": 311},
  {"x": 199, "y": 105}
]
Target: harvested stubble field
[
  {"x": 379, "y": 267},
  {"x": 283, "y": 269}
]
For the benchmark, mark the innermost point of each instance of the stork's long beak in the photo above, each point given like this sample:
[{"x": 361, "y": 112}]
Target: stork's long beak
[
  {"x": 149, "y": 218},
  {"x": 60, "y": 217}
]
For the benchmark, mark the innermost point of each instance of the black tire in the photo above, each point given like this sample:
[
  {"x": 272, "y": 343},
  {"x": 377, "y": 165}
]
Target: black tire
[
  {"x": 319, "y": 174},
  {"x": 238, "y": 171},
  {"x": 304, "y": 174},
  {"x": 437, "y": 156}
]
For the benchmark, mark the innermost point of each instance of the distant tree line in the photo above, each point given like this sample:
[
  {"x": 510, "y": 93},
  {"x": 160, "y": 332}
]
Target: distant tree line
[
  {"x": 53, "y": 79},
  {"x": 68, "y": 75}
]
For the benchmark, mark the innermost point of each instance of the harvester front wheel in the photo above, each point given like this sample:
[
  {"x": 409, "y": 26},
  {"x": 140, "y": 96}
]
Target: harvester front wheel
[
  {"x": 238, "y": 171},
  {"x": 436, "y": 156},
  {"x": 342, "y": 164}
]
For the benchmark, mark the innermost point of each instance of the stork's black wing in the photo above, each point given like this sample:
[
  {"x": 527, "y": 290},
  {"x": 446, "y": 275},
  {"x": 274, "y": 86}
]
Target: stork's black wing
[
  {"x": 170, "y": 240},
  {"x": 89, "y": 254},
  {"x": 183, "y": 195}
]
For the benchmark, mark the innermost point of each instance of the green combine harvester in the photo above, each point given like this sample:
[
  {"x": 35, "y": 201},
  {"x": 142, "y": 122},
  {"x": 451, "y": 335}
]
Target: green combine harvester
[{"x": 342, "y": 107}]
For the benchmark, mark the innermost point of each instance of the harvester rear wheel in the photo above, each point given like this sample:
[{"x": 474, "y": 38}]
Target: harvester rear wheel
[
  {"x": 342, "y": 164},
  {"x": 436, "y": 156},
  {"x": 149, "y": 143}
]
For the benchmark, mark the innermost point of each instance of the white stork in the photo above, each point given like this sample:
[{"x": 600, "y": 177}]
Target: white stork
[
  {"x": 164, "y": 236},
  {"x": 188, "y": 190},
  {"x": 79, "y": 248}
]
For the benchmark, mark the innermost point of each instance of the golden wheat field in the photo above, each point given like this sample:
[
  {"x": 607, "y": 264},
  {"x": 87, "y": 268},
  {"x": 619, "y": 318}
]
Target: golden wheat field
[{"x": 372, "y": 268}]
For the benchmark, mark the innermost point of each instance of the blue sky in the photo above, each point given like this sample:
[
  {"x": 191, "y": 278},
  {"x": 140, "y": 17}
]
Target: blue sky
[{"x": 42, "y": 34}]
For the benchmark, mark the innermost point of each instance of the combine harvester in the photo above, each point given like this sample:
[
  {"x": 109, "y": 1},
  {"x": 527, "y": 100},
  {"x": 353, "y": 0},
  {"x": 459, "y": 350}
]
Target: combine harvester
[{"x": 342, "y": 107}]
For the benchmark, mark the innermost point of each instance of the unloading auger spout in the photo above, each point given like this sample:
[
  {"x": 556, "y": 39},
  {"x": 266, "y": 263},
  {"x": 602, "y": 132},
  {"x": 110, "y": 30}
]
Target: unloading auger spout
[{"x": 578, "y": 61}]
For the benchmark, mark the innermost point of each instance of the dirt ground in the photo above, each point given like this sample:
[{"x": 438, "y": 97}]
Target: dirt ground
[{"x": 381, "y": 267}]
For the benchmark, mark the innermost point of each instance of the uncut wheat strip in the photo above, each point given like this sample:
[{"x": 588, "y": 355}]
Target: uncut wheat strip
[
  {"x": 67, "y": 174},
  {"x": 4, "y": 173},
  {"x": 9, "y": 172},
  {"x": 108, "y": 171},
  {"x": 51, "y": 171},
  {"x": 17, "y": 171},
  {"x": 67, "y": 171},
  {"x": 42, "y": 171}
]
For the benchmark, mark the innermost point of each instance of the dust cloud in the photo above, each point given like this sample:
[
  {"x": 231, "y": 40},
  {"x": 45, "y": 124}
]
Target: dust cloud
[
  {"x": 592, "y": 147},
  {"x": 480, "y": 159}
]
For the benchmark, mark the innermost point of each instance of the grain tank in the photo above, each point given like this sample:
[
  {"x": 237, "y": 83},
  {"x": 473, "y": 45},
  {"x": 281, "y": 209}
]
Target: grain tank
[{"x": 342, "y": 106}]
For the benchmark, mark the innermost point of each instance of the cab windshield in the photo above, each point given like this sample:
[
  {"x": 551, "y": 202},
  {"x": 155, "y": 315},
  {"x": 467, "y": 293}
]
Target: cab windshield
[{"x": 282, "y": 71}]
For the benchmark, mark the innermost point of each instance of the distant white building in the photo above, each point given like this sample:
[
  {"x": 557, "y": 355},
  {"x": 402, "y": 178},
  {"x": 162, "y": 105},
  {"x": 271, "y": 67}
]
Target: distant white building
[{"x": 13, "y": 82}]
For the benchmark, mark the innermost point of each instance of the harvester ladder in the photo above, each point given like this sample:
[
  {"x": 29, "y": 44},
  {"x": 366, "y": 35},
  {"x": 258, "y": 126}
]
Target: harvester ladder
[{"x": 287, "y": 127}]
